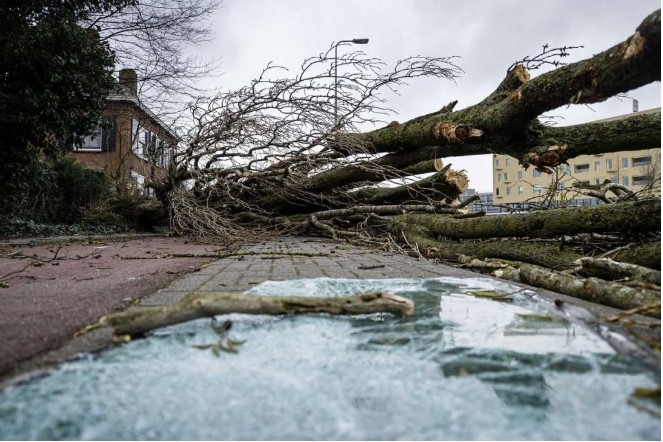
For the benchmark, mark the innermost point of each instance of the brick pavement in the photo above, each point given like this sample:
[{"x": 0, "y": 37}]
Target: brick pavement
[
  {"x": 289, "y": 258},
  {"x": 281, "y": 258}
]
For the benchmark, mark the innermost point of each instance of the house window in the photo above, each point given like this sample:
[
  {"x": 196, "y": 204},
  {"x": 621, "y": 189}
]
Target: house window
[
  {"x": 520, "y": 190},
  {"x": 624, "y": 163},
  {"x": 520, "y": 174},
  {"x": 93, "y": 141},
  {"x": 581, "y": 168},
  {"x": 596, "y": 181},
  {"x": 134, "y": 134},
  {"x": 608, "y": 164},
  {"x": 625, "y": 181},
  {"x": 641, "y": 180},
  {"x": 497, "y": 162},
  {"x": 536, "y": 173},
  {"x": 538, "y": 189},
  {"x": 641, "y": 161},
  {"x": 507, "y": 162},
  {"x": 140, "y": 138},
  {"x": 165, "y": 154},
  {"x": 508, "y": 191},
  {"x": 138, "y": 182},
  {"x": 497, "y": 191},
  {"x": 597, "y": 166},
  {"x": 560, "y": 186}
]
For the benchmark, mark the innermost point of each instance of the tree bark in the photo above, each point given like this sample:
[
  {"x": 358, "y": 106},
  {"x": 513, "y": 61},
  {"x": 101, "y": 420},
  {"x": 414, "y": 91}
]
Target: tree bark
[
  {"x": 203, "y": 305},
  {"x": 444, "y": 186},
  {"x": 590, "y": 289},
  {"x": 547, "y": 255},
  {"x": 506, "y": 122},
  {"x": 626, "y": 218},
  {"x": 610, "y": 270},
  {"x": 647, "y": 255}
]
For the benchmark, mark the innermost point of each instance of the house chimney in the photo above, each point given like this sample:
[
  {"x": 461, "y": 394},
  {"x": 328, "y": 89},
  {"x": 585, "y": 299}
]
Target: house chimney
[{"x": 129, "y": 80}]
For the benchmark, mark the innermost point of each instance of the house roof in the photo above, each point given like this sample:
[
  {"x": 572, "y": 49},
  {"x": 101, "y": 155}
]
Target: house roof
[{"x": 122, "y": 94}]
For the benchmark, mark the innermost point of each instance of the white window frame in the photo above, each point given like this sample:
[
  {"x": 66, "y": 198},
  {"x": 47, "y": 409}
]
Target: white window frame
[{"x": 90, "y": 142}]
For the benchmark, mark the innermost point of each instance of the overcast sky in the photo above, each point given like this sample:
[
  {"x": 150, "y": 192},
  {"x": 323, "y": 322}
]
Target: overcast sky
[{"x": 487, "y": 35}]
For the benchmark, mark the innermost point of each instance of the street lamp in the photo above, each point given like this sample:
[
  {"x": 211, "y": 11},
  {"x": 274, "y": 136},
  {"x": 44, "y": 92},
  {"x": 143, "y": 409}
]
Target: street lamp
[{"x": 357, "y": 41}]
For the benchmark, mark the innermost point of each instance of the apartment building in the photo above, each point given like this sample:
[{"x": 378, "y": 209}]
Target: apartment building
[
  {"x": 514, "y": 186},
  {"x": 131, "y": 145}
]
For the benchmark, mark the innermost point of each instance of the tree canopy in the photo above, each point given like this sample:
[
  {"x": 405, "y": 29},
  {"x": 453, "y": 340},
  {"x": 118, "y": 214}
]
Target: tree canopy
[{"x": 54, "y": 77}]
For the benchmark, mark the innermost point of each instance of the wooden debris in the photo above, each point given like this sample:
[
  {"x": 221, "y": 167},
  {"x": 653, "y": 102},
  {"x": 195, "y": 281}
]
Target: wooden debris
[{"x": 209, "y": 304}]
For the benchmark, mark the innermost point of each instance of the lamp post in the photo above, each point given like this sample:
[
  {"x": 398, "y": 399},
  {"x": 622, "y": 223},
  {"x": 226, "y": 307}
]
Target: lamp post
[{"x": 357, "y": 41}]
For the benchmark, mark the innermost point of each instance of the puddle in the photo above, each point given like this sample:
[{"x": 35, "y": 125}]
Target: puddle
[{"x": 460, "y": 368}]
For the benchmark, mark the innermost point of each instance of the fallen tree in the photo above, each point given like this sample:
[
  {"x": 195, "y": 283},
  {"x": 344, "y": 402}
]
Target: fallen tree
[{"x": 278, "y": 156}]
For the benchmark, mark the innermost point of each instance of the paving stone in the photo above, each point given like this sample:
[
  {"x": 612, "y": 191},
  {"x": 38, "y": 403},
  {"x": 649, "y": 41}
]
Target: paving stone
[{"x": 346, "y": 261}]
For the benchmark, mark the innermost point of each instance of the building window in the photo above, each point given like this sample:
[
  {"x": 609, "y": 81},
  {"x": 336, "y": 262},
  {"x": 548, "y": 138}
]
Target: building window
[
  {"x": 625, "y": 181},
  {"x": 508, "y": 191},
  {"x": 641, "y": 180},
  {"x": 138, "y": 182},
  {"x": 581, "y": 168},
  {"x": 507, "y": 162},
  {"x": 560, "y": 186},
  {"x": 536, "y": 174},
  {"x": 497, "y": 191},
  {"x": 641, "y": 161},
  {"x": 93, "y": 141},
  {"x": 608, "y": 164},
  {"x": 520, "y": 190},
  {"x": 520, "y": 174},
  {"x": 596, "y": 181},
  {"x": 597, "y": 166},
  {"x": 497, "y": 162},
  {"x": 624, "y": 163},
  {"x": 538, "y": 189}
]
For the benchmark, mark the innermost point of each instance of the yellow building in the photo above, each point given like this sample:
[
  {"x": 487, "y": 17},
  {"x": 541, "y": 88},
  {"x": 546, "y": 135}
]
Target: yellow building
[{"x": 639, "y": 171}]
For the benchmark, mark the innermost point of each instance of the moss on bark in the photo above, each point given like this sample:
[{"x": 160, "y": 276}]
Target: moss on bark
[{"x": 626, "y": 218}]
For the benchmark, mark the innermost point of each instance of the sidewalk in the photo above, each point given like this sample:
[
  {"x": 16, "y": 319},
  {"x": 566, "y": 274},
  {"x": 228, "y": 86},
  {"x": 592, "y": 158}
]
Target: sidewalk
[{"x": 42, "y": 314}]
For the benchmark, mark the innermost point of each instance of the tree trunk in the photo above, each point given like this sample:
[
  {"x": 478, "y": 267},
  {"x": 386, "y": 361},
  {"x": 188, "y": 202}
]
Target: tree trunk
[
  {"x": 547, "y": 255},
  {"x": 506, "y": 121},
  {"x": 626, "y": 218}
]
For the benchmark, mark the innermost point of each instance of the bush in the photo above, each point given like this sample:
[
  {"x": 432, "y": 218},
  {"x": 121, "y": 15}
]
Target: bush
[
  {"x": 80, "y": 188},
  {"x": 63, "y": 197}
]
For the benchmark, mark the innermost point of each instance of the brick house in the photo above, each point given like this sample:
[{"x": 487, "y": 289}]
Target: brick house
[{"x": 132, "y": 145}]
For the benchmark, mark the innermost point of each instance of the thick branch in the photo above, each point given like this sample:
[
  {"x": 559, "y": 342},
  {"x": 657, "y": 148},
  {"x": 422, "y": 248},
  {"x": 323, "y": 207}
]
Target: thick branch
[
  {"x": 610, "y": 270},
  {"x": 630, "y": 218},
  {"x": 590, "y": 289},
  {"x": 626, "y": 66},
  {"x": 548, "y": 255},
  {"x": 636, "y": 132},
  {"x": 445, "y": 185},
  {"x": 204, "y": 305}
]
